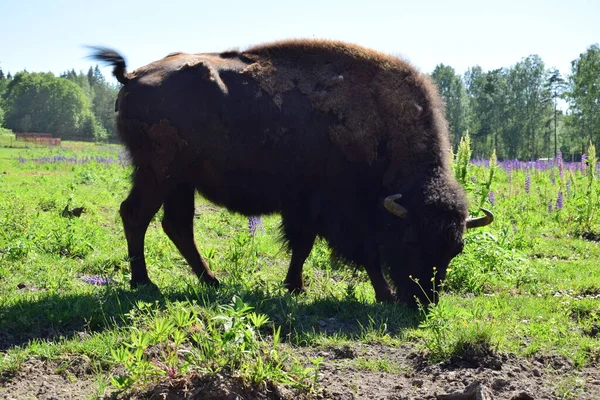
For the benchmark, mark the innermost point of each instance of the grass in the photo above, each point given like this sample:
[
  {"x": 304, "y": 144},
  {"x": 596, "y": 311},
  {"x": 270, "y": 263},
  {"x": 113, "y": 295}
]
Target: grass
[{"x": 526, "y": 284}]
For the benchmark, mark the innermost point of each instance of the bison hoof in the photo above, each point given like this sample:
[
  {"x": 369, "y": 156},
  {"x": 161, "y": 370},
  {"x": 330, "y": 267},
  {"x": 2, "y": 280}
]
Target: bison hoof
[
  {"x": 295, "y": 288},
  {"x": 211, "y": 281},
  {"x": 147, "y": 285},
  {"x": 386, "y": 297}
]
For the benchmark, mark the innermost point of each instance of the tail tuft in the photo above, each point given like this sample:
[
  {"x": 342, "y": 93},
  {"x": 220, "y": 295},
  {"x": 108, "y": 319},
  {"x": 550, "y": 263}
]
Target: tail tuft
[{"x": 113, "y": 58}]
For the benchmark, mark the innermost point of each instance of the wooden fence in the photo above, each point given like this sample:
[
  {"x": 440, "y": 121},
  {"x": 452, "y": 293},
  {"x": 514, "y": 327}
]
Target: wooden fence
[{"x": 45, "y": 139}]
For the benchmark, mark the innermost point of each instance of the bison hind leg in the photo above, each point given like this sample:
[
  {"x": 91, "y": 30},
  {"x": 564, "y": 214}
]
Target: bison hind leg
[
  {"x": 136, "y": 213},
  {"x": 178, "y": 224}
]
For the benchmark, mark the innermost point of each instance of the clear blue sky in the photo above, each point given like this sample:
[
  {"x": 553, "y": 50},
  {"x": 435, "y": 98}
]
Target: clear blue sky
[{"x": 47, "y": 35}]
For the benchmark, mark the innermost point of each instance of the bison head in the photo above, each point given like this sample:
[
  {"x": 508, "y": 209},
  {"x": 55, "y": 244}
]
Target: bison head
[{"x": 423, "y": 234}]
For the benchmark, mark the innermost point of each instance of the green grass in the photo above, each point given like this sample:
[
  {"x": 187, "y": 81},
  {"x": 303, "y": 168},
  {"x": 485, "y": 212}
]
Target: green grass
[{"x": 524, "y": 285}]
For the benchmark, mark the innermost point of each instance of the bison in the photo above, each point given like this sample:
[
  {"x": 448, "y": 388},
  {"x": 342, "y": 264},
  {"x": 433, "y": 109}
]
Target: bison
[{"x": 344, "y": 142}]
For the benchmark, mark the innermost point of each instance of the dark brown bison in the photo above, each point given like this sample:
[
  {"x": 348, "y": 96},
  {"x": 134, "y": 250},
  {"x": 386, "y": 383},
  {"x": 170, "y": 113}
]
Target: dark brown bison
[{"x": 344, "y": 142}]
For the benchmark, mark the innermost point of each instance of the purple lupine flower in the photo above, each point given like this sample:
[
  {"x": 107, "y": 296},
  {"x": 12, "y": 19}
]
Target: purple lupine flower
[
  {"x": 561, "y": 166},
  {"x": 552, "y": 178},
  {"x": 492, "y": 197},
  {"x": 527, "y": 183},
  {"x": 96, "y": 280},
  {"x": 473, "y": 180},
  {"x": 539, "y": 166},
  {"x": 21, "y": 160},
  {"x": 254, "y": 222},
  {"x": 568, "y": 185},
  {"x": 550, "y": 207},
  {"x": 559, "y": 201}
]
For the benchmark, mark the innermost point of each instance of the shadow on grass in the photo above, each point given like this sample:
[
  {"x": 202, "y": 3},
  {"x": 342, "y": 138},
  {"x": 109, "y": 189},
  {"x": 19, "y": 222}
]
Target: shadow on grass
[{"x": 56, "y": 316}]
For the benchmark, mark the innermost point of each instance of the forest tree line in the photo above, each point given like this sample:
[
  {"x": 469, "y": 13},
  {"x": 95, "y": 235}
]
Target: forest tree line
[
  {"x": 520, "y": 111},
  {"x": 70, "y": 106},
  {"x": 525, "y": 111}
]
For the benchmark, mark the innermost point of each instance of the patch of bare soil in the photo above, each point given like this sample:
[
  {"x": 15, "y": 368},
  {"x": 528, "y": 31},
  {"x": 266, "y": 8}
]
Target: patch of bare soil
[
  {"x": 349, "y": 372},
  {"x": 473, "y": 376},
  {"x": 215, "y": 387},
  {"x": 49, "y": 381}
]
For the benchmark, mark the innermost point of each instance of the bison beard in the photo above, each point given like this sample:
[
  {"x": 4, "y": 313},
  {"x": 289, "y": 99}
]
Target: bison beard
[{"x": 344, "y": 142}]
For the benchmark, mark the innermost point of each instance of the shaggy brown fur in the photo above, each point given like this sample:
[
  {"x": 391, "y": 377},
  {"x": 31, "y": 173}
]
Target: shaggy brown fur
[{"x": 398, "y": 106}]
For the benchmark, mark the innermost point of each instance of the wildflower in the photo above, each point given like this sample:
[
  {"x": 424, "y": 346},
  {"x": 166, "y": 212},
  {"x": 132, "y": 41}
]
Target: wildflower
[
  {"x": 559, "y": 201},
  {"x": 473, "y": 180},
  {"x": 492, "y": 197},
  {"x": 95, "y": 280},
  {"x": 527, "y": 183},
  {"x": 550, "y": 207},
  {"x": 568, "y": 187},
  {"x": 561, "y": 166},
  {"x": 552, "y": 178},
  {"x": 254, "y": 222}
]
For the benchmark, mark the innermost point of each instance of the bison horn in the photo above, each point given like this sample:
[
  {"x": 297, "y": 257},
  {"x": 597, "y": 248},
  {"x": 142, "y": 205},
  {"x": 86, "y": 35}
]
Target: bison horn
[
  {"x": 480, "y": 221},
  {"x": 390, "y": 204}
]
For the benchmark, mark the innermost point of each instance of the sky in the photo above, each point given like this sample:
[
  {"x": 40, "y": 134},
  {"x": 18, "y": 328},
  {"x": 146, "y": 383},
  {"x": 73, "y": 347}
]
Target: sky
[{"x": 50, "y": 35}]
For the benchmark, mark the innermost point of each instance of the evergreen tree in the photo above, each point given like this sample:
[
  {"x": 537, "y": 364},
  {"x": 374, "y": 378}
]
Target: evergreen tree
[
  {"x": 90, "y": 76},
  {"x": 555, "y": 86}
]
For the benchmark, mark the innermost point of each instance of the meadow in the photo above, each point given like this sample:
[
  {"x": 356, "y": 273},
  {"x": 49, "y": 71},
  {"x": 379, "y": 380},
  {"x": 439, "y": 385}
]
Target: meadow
[{"x": 518, "y": 316}]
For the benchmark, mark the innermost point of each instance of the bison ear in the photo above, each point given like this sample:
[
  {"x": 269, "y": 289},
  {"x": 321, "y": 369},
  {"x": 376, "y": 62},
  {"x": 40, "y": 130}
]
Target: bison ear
[
  {"x": 390, "y": 204},
  {"x": 472, "y": 222}
]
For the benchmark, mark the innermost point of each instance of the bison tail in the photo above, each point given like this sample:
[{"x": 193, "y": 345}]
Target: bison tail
[{"x": 113, "y": 58}]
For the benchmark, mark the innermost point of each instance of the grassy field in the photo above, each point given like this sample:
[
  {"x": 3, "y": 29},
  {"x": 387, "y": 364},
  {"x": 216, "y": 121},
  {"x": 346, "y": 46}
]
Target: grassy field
[{"x": 525, "y": 291}]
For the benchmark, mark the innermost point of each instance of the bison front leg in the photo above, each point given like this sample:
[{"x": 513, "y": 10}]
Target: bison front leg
[
  {"x": 300, "y": 242},
  {"x": 383, "y": 291},
  {"x": 178, "y": 224},
  {"x": 136, "y": 213}
]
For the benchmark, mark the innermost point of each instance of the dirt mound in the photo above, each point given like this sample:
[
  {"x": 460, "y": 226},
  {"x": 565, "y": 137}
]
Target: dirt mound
[{"x": 214, "y": 387}]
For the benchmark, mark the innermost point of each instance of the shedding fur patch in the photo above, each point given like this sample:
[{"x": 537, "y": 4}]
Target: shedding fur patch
[
  {"x": 374, "y": 97},
  {"x": 152, "y": 147},
  {"x": 165, "y": 143}
]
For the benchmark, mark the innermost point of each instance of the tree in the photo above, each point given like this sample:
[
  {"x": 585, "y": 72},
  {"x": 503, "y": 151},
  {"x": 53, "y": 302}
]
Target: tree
[
  {"x": 101, "y": 95},
  {"x": 80, "y": 79},
  {"x": 452, "y": 89},
  {"x": 3, "y": 84},
  {"x": 556, "y": 86},
  {"x": 584, "y": 94},
  {"x": 103, "y": 106},
  {"x": 487, "y": 99},
  {"x": 531, "y": 112}
]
